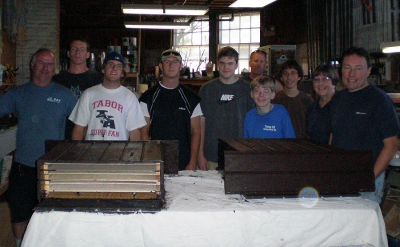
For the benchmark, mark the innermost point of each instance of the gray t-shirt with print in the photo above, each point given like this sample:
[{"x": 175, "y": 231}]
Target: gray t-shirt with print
[{"x": 224, "y": 107}]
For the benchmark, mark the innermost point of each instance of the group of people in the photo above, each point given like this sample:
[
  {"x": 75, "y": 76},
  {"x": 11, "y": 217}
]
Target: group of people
[
  {"x": 98, "y": 107},
  {"x": 360, "y": 117}
]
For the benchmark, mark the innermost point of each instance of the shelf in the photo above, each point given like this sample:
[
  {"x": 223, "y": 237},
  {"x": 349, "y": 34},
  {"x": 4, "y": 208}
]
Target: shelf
[
  {"x": 195, "y": 84},
  {"x": 131, "y": 75},
  {"x": 197, "y": 81}
]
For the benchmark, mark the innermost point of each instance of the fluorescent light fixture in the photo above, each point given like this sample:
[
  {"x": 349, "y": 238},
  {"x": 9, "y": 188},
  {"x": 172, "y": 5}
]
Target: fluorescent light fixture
[
  {"x": 145, "y": 9},
  {"x": 390, "y": 47},
  {"x": 157, "y": 25},
  {"x": 250, "y": 3}
]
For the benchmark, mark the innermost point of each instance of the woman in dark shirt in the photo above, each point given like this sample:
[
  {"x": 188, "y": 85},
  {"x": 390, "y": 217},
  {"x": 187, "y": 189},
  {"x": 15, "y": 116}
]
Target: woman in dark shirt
[{"x": 325, "y": 78}]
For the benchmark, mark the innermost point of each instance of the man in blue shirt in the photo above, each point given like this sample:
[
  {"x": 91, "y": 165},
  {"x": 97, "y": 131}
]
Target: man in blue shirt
[
  {"x": 42, "y": 108},
  {"x": 364, "y": 118}
]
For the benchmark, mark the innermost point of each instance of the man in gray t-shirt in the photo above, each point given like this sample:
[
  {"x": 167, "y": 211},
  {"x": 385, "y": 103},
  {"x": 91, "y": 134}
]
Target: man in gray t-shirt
[{"x": 224, "y": 102}]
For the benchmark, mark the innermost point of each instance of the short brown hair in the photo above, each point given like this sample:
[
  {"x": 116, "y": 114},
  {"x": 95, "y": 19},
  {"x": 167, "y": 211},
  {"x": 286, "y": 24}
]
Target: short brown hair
[
  {"x": 328, "y": 71},
  {"x": 259, "y": 52},
  {"x": 358, "y": 51},
  {"x": 80, "y": 40},
  {"x": 228, "y": 51},
  {"x": 291, "y": 64}
]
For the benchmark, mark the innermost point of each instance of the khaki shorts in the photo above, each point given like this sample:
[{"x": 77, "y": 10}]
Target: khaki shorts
[{"x": 212, "y": 165}]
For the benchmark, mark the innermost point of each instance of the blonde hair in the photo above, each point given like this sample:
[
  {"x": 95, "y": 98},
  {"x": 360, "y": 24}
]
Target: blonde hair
[{"x": 263, "y": 81}]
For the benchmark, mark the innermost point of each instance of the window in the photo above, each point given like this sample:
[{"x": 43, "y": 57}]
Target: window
[
  {"x": 395, "y": 19},
  {"x": 368, "y": 11},
  {"x": 192, "y": 43},
  {"x": 242, "y": 33}
]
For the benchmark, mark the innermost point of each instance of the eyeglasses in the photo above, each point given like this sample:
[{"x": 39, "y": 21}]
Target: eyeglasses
[
  {"x": 262, "y": 89},
  {"x": 348, "y": 69},
  {"x": 322, "y": 79}
]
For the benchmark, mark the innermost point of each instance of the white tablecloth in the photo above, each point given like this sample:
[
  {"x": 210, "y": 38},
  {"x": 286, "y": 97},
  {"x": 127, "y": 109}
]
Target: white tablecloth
[
  {"x": 7, "y": 140},
  {"x": 198, "y": 213}
]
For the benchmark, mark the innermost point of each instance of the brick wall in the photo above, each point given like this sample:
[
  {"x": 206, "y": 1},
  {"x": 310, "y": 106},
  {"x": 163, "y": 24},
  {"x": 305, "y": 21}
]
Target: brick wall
[{"x": 38, "y": 26}]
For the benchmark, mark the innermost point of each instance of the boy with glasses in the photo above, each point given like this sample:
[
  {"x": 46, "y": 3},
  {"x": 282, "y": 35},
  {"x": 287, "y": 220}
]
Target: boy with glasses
[
  {"x": 266, "y": 120},
  {"x": 108, "y": 111}
]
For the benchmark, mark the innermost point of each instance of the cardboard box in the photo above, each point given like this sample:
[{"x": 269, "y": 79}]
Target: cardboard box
[{"x": 391, "y": 213}]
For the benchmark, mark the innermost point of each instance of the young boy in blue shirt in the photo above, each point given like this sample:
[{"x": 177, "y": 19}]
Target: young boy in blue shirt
[{"x": 266, "y": 120}]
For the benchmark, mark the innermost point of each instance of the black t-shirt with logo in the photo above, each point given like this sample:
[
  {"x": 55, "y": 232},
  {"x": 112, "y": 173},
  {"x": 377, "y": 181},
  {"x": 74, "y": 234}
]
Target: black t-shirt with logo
[{"x": 170, "y": 114}]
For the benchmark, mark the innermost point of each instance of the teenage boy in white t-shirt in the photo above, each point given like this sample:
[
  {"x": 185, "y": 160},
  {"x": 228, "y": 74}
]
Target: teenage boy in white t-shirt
[{"x": 108, "y": 111}]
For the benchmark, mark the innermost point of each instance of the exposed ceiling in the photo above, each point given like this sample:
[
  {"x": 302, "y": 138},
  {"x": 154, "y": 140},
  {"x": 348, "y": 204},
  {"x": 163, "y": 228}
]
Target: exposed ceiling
[
  {"x": 83, "y": 14},
  {"x": 212, "y": 4}
]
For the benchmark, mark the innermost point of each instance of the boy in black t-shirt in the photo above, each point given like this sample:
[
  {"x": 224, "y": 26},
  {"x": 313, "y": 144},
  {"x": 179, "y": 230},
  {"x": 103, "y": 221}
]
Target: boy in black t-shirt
[
  {"x": 78, "y": 77},
  {"x": 172, "y": 111}
]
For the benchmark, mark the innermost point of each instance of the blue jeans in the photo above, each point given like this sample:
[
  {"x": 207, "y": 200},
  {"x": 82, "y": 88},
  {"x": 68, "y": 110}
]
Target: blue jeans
[{"x": 378, "y": 193}]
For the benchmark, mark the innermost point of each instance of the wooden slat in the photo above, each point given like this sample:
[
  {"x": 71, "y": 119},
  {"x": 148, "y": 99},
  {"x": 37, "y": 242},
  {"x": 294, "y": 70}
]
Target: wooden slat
[
  {"x": 113, "y": 152},
  {"x": 297, "y": 162},
  {"x": 284, "y": 167},
  {"x": 260, "y": 146},
  {"x": 71, "y": 177},
  {"x": 75, "y": 152},
  {"x": 236, "y": 145},
  {"x": 132, "y": 152},
  {"x": 101, "y": 167},
  {"x": 56, "y": 152},
  {"x": 152, "y": 151},
  {"x": 104, "y": 195},
  {"x": 170, "y": 151},
  {"x": 100, "y": 187},
  {"x": 94, "y": 152},
  {"x": 281, "y": 184}
]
